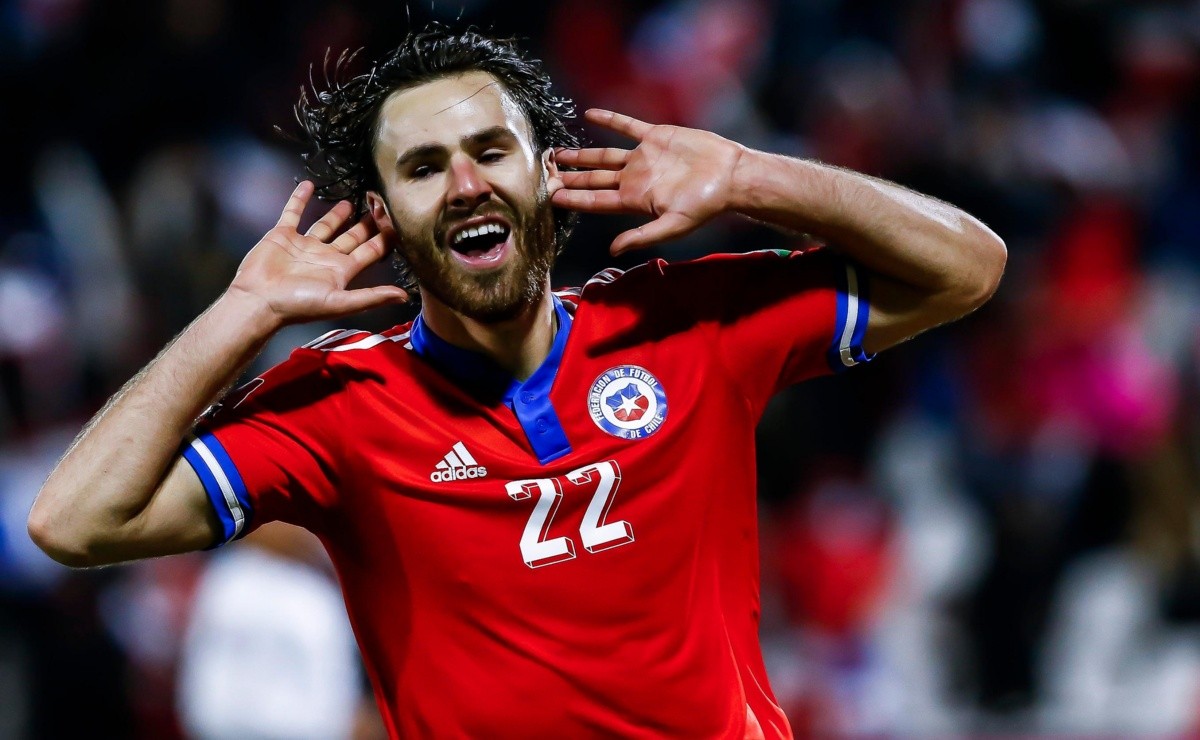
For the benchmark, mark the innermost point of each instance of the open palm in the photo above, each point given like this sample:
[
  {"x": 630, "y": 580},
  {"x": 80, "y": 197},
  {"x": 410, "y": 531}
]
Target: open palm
[
  {"x": 303, "y": 277},
  {"x": 680, "y": 176}
]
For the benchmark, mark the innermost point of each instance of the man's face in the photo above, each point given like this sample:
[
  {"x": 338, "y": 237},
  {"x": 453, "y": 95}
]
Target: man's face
[{"x": 466, "y": 194}]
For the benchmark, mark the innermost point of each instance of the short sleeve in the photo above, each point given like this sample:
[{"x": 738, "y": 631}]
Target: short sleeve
[
  {"x": 784, "y": 317},
  {"x": 269, "y": 450}
]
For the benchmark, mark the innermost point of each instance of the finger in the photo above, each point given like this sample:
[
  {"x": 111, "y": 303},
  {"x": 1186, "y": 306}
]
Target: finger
[
  {"x": 619, "y": 122},
  {"x": 369, "y": 252},
  {"x": 606, "y": 158},
  {"x": 354, "y": 236},
  {"x": 328, "y": 225},
  {"x": 294, "y": 208},
  {"x": 592, "y": 201},
  {"x": 346, "y": 302},
  {"x": 591, "y": 179},
  {"x": 665, "y": 227}
]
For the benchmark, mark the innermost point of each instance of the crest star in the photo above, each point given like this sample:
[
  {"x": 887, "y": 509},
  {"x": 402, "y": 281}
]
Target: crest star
[
  {"x": 622, "y": 396},
  {"x": 629, "y": 405}
]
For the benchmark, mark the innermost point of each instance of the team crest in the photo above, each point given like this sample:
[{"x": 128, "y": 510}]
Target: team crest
[{"x": 628, "y": 402}]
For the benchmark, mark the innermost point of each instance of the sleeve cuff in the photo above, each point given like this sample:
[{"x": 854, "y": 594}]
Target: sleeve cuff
[
  {"x": 224, "y": 485},
  {"x": 851, "y": 323}
]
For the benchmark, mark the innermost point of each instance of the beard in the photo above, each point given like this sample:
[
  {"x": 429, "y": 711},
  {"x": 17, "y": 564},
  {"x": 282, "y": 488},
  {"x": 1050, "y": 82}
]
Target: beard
[{"x": 489, "y": 296}]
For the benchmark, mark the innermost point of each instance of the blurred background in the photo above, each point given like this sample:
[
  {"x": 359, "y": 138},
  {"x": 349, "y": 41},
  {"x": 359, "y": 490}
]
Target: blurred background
[{"x": 991, "y": 530}]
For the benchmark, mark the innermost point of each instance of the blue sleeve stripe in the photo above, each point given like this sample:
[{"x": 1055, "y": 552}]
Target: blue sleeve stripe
[
  {"x": 224, "y": 485},
  {"x": 235, "y": 478},
  {"x": 215, "y": 496},
  {"x": 853, "y": 310}
]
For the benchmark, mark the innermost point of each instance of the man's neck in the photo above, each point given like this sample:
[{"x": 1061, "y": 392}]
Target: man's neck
[{"x": 519, "y": 345}]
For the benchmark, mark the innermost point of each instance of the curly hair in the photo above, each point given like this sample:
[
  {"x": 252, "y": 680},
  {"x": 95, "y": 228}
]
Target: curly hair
[{"x": 339, "y": 121}]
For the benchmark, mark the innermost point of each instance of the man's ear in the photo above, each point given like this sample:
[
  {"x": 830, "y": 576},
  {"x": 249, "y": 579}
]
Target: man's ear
[
  {"x": 378, "y": 209},
  {"x": 550, "y": 172}
]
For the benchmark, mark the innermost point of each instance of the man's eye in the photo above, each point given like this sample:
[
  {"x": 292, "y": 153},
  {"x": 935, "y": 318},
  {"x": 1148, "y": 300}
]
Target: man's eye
[
  {"x": 491, "y": 156},
  {"x": 422, "y": 171}
]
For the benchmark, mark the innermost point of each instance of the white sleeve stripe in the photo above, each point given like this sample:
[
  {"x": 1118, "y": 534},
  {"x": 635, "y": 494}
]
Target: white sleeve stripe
[
  {"x": 606, "y": 275},
  {"x": 322, "y": 338},
  {"x": 331, "y": 336},
  {"x": 364, "y": 343},
  {"x": 338, "y": 337},
  {"x": 235, "y": 507},
  {"x": 845, "y": 351}
]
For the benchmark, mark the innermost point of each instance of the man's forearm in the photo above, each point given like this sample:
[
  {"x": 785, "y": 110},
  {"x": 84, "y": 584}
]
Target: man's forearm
[
  {"x": 113, "y": 469},
  {"x": 912, "y": 238}
]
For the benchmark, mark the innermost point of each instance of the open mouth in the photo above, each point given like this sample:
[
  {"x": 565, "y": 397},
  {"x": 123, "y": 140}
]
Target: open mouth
[{"x": 480, "y": 243}]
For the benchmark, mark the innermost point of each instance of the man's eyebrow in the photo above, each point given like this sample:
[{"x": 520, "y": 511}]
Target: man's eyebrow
[
  {"x": 490, "y": 134},
  {"x": 424, "y": 151}
]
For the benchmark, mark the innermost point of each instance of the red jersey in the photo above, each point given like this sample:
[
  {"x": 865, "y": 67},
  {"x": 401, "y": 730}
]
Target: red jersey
[{"x": 573, "y": 555}]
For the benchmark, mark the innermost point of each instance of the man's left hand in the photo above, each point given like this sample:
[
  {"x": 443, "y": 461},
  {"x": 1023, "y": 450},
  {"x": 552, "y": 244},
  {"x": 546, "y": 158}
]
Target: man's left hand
[{"x": 680, "y": 176}]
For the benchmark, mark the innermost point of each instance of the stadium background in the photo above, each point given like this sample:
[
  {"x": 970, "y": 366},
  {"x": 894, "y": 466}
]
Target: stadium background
[{"x": 991, "y": 530}]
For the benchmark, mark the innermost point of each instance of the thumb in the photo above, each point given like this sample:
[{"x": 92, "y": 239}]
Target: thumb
[
  {"x": 664, "y": 228},
  {"x": 348, "y": 302}
]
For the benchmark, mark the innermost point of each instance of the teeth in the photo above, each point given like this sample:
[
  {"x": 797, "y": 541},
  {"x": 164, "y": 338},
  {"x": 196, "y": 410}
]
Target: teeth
[{"x": 489, "y": 228}]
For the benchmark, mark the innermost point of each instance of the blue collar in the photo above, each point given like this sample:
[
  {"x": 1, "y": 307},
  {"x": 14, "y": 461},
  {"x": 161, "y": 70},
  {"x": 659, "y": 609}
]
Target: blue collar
[{"x": 529, "y": 400}]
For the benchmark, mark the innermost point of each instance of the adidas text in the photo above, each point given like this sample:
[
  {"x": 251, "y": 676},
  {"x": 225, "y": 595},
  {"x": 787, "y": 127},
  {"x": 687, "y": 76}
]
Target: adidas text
[{"x": 453, "y": 474}]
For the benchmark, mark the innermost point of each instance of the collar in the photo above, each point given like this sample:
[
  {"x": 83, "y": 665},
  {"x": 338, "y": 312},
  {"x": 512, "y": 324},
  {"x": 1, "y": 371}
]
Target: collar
[{"x": 478, "y": 372}]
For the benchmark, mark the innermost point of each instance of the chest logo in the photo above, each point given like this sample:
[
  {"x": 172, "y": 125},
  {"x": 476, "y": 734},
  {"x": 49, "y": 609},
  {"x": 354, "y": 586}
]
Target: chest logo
[
  {"x": 627, "y": 401},
  {"x": 457, "y": 464}
]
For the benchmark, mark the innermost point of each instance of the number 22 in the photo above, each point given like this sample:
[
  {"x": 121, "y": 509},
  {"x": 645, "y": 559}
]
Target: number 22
[{"x": 596, "y": 534}]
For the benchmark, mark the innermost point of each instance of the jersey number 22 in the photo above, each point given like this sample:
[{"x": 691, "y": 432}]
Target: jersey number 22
[{"x": 595, "y": 533}]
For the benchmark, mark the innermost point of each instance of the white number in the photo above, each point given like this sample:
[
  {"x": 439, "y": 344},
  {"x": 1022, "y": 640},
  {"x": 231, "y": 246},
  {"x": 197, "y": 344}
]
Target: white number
[
  {"x": 536, "y": 551},
  {"x": 597, "y": 535}
]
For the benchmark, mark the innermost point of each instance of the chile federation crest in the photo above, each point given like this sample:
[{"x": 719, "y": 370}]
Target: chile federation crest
[{"x": 627, "y": 401}]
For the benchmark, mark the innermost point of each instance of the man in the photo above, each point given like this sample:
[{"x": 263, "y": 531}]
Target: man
[{"x": 540, "y": 505}]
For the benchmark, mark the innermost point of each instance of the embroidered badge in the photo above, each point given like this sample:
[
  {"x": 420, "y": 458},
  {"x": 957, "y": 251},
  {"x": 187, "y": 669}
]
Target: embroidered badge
[{"x": 627, "y": 401}]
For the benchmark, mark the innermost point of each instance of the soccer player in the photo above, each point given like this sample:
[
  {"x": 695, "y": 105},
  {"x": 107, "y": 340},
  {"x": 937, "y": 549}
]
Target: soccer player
[{"x": 540, "y": 505}]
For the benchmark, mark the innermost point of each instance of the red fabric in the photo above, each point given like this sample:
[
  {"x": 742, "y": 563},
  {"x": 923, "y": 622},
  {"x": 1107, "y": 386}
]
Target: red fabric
[{"x": 657, "y": 637}]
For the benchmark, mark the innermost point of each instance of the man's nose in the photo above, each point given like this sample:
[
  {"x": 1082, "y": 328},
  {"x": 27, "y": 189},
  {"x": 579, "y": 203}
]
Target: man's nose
[{"x": 468, "y": 187}]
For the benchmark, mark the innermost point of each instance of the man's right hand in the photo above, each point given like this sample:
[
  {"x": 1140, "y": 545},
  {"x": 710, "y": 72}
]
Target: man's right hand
[
  {"x": 303, "y": 277},
  {"x": 122, "y": 491}
]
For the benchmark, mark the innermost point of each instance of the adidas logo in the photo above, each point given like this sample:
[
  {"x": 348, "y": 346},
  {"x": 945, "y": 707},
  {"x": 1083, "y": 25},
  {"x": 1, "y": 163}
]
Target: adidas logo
[{"x": 457, "y": 465}]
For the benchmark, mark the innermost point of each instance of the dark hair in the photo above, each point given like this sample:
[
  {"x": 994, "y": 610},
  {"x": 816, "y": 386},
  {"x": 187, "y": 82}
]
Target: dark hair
[{"x": 339, "y": 122}]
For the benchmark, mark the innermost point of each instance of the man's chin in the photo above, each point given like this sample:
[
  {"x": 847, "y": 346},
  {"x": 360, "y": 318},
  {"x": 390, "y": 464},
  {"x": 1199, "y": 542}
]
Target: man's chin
[
  {"x": 492, "y": 315},
  {"x": 489, "y": 298},
  {"x": 497, "y": 309}
]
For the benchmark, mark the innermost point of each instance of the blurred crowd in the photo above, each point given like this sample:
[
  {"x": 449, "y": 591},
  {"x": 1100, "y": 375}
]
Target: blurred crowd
[{"x": 991, "y": 530}]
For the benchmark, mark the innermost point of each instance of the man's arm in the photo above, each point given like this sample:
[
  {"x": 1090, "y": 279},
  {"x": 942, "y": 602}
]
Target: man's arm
[
  {"x": 121, "y": 492},
  {"x": 930, "y": 262}
]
